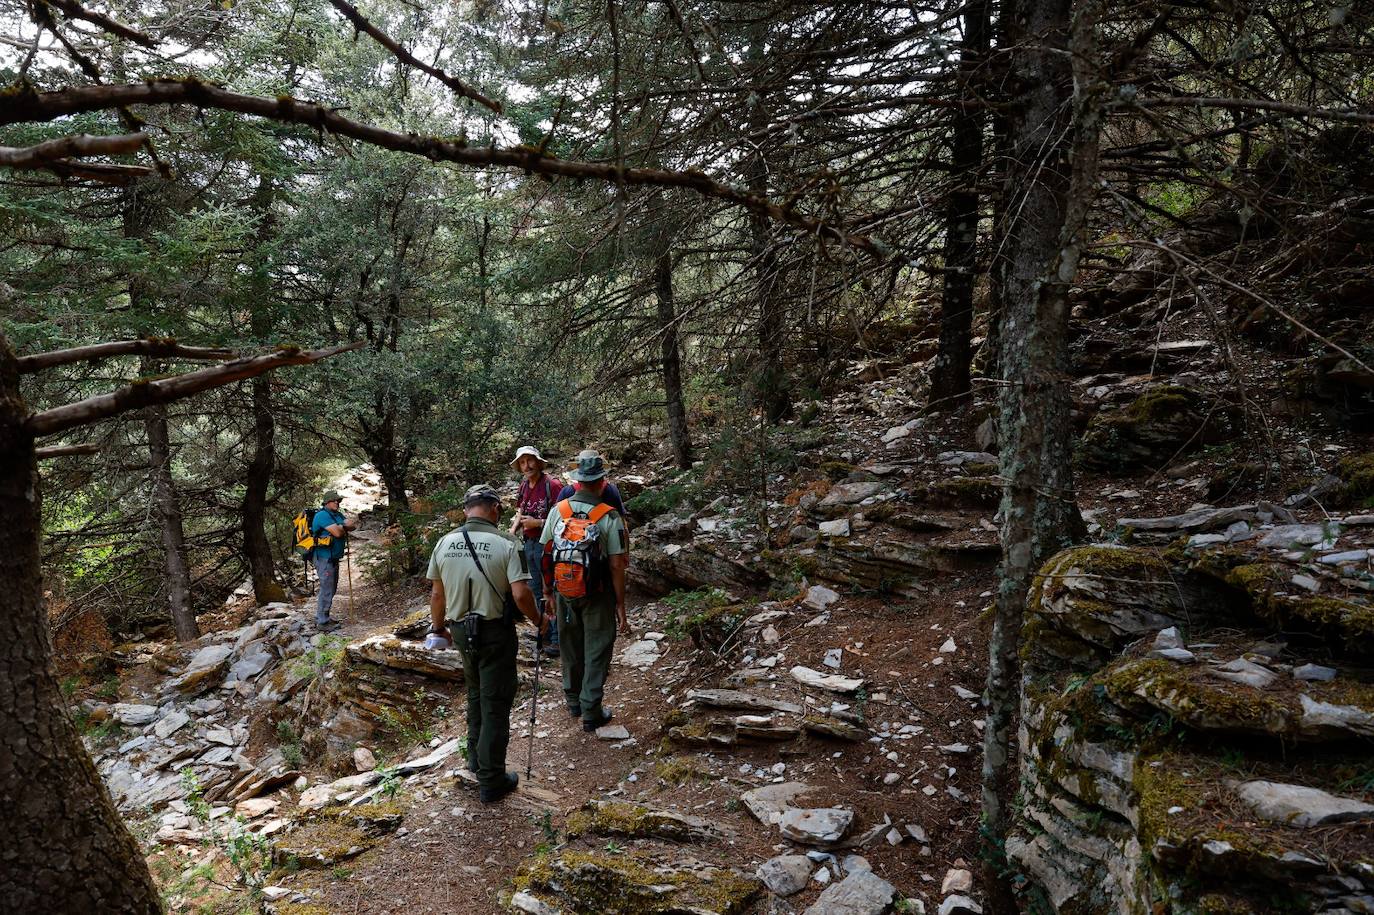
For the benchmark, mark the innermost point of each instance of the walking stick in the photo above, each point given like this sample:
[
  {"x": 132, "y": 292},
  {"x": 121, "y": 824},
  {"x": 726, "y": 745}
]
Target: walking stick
[
  {"x": 348, "y": 568},
  {"x": 534, "y": 703}
]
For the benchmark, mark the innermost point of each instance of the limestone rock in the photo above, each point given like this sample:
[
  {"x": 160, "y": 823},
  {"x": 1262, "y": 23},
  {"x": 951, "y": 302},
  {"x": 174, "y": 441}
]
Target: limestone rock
[
  {"x": 837, "y": 528},
  {"x": 806, "y": 676},
  {"x": 768, "y": 803},
  {"x": 735, "y": 699},
  {"x": 1159, "y": 424},
  {"x": 205, "y": 670},
  {"x": 816, "y": 826},
  {"x": 819, "y": 597},
  {"x": 1295, "y": 805},
  {"x": 364, "y": 760},
  {"x": 834, "y": 727},
  {"x": 132, "y": 715},
  {"x": 960, "y": 905},
  {"x": 619, "y": 818},
  {"x": 1314, "y": 672},
  {"x": 861, "y": 893},
  {"x": 957, "y": 880},
  {"x": 842, "y": 494},
  {"x": 170, "y": 723},
  {"x": 1248, "y": 672},
  {"x": 575, "y": 881},
  {"x": 388, "y": 651},
  {"x": 785, "y": 874}
]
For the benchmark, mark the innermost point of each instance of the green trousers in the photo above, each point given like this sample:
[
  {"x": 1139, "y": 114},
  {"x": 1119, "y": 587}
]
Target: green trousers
[
  {"x": 586, "y": 635},
  {"x": 489, "y": 669}
]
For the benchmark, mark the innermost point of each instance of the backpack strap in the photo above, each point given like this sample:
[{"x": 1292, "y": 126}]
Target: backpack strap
[
  {"x": 600, "y": 511},
  {"x": 565, "y": 509}
]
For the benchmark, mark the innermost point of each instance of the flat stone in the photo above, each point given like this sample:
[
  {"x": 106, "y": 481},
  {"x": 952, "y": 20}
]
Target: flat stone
[
  {"x": 957, "y": 880},
  {"x": 833, "y": 658},
  {"x": 833, "y": 682},
  {"x": 255, "y": 807},
  {"x": 1306, "y": 582},
  {"x": 170, "y": 723},
  {"x": 222, "y": 736},
  {"x": 1324, "y": 718},
  {"x": 850, "y": 493},
  {"x": 532, "y": 905},
  {"x": 132, "y": 715},
  {"x": 429, "y": 760},
  {"x": 640, "y": 655},
  {"x": 1295, "y": 805},
  {"x": 837, "y": 528},
  {"x": 1247, "y": 672},
  {"x": 1336, "y": 559},
  {"x": 1203, "y": 519},
  {"x": 949, "y": 647},
  {"x": 819, "y": 597},
  {"x": 1288, "y": 535},
  {"x": 966, "y": 693},
  {"x": 816, "y": 826},
  {"x": 767, "y": 803},
  {"x": 1314, "y": 672},
  {"x": 735, "y": 699},
  {"x": 785, "y": 874},
  {"x": 1177, "y": 655},
  {"x": 895, "y": 433},
  {"x": 253, "y": 660},
  {"x": 612, "y": 732},
  {"x": 387, "y": 650},
  {"x": 316, "y": 797},
  {"x": 861, "y": 893},
  {"x": 833, "y": 727}
]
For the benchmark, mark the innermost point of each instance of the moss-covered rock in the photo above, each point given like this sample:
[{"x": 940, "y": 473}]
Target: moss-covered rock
[
  {"x": 582, "y": 883},
  {"x": 965, "y": 491},
  {"x": 619, "y": 818},
  {"x": 1356, "y": 489},
  {"x": 1147, "y": 433}
]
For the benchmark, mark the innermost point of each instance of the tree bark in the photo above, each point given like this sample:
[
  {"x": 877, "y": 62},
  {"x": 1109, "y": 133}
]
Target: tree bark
[
  {"x": 169, "y": 517},
  {"x": 66, "y": 848},
  {"x": 257, "y": 480},
  {"x": 1055, "y": 178},
  {"x": 950, "y": 383},
  {"x": 678, "y": 431},
  {"x": 263, "y": 461}
]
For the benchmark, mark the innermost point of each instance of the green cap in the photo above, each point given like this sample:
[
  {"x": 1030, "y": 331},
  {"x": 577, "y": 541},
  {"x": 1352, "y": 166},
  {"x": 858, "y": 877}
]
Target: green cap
[
  {"x": 482, "y": 492},
  {"x": 331, "y": 496},
  {"x": 590, "y": 467}
]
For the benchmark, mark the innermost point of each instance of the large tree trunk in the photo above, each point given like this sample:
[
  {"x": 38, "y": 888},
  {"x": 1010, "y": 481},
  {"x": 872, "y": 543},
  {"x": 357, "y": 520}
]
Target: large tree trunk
[
  {"x": 950, "y": 383},
  {"x": 257, "y": 481},
  {"x": 1054, "y": 149},
  {"x": 65, "y": 847},
  {"x": 169, "y": 518},
  {"x": 672, "y": 361}
]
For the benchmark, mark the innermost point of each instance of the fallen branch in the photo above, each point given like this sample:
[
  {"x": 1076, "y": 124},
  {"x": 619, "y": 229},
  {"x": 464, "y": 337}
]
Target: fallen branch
[{"x": 55, "y": 451}]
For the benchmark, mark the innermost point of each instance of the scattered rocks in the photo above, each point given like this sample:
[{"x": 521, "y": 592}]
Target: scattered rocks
[
  {"x": 785, "y": 875},
  {"x": 816, "y": 826},
  {"x": 861, "y": 893}
]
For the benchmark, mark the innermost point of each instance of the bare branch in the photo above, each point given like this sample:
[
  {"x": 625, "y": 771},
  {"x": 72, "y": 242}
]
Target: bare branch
[
  {"x": 75, "y": 10},
  {"x": 56, "y": 451},
  {"x": 461, "y": 88},
  {"x": 48, "y": 106},
  {"x": 142, "y": 394},
  {"x": 152, "y": 346},
  {"x": 1256, "y": 104}
]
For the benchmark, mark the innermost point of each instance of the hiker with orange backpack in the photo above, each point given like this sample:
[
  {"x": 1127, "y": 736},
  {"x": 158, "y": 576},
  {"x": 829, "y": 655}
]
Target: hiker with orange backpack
[{"x": 585, "y": 557}]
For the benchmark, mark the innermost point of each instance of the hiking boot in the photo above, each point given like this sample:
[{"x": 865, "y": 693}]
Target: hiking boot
[
  {"x": 591, "y": 724},
  {"x": 328, "y": 625},
  {"x": 492, "y": 795},
  {"x": 551, "y": 651},
  {"x": 575, "y": 711}
]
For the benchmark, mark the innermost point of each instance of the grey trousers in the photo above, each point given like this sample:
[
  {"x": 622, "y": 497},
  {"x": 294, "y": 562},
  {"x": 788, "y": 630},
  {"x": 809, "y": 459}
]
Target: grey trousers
[{"x": 328, "y": 570}]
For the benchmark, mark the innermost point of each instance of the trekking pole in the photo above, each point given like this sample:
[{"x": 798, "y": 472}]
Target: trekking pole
[
  {"x": 348, "y": 568},
  {"x": 534, "y": 703}
]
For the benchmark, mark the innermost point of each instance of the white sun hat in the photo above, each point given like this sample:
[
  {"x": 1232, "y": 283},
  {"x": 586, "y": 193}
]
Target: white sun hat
[{"x": 531, "y": 451}]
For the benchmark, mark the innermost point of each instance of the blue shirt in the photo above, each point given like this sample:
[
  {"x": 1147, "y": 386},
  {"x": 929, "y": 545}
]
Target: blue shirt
[
  {"x": 323, "y": 518},
  {"x": 610, "y": 495}
]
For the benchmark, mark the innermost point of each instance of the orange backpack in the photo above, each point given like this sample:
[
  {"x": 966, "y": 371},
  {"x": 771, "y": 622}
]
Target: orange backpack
[{"x": 577, "y": 553}]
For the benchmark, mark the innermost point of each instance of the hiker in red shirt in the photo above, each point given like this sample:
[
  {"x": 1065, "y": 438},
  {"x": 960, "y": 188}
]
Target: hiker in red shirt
[{"x": 538, "y": 493}]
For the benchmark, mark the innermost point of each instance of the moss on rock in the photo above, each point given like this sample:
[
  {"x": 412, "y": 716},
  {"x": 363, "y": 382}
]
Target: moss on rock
[
  {"x": 629, "y": 884},
  {"x": 1357, "y": 482}
]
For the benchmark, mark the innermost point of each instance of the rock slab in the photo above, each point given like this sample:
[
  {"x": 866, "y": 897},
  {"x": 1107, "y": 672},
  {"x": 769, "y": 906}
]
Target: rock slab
[
  {"x": 1295, "y": 805},
  {"x": 861, "y": 893}
]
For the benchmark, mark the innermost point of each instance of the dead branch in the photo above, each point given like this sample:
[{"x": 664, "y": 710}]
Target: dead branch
[
  {"x": 459, "y": 87},
  {"x": 75, "y": 10},
  {"x": 151, "y": 346},
  {"x": 51, "y": 153},
  {"x": 145, "y": 393},
  {"x": 55, "y": 451}
]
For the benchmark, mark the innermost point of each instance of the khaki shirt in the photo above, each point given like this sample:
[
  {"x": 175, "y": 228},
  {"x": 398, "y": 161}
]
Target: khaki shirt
[
  {"x": 465, "y": 590},
  {"x": 612, "y": 527}
]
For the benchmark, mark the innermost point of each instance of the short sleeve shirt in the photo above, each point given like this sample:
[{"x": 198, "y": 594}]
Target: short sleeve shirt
[
  {"x": 612, "y": 527},
  {"x": 536, "y": 500},
  {"x": 465, "y": 589},
  {"x": 323, "y": 518}
]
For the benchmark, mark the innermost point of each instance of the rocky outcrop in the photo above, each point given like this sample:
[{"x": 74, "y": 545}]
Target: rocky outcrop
[
  {"x": 1147, "y": 433},
  {"x": 1147, "y": 677}
]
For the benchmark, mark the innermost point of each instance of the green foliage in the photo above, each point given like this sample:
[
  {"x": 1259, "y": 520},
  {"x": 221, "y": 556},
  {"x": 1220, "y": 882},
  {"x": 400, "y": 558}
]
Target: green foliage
[
  {"x": 687, "y": 609},
  {"x": 289, "y": 742},
  {"x": 319, "y": 658},
  {"x": 682, "y": 491}
]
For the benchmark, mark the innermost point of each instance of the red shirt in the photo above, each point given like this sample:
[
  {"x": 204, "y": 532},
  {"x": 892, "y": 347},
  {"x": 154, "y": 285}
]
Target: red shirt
[{"x": 536, "y": 501}]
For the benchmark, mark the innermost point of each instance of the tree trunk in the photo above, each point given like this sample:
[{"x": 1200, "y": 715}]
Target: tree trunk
[
  {"x": 261, "y": 465},
  {"x": 950, "y": 383},
  {"x": 65, "y": 848},
  {"x": 1039, "y": 511},
  {"x": 169, "y": 515},
  {"x": 257, "y": 480},
  {"x": 672, "y": 361}
]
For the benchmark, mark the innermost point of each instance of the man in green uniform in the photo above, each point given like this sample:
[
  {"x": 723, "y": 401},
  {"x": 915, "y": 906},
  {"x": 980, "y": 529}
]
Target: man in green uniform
[
  {"x": 587, "y": 625},
  {"x": 479, "y": 578}
]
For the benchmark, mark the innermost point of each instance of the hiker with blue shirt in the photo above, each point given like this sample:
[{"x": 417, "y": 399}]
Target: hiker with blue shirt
[{"x": 330, "y": 529}]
